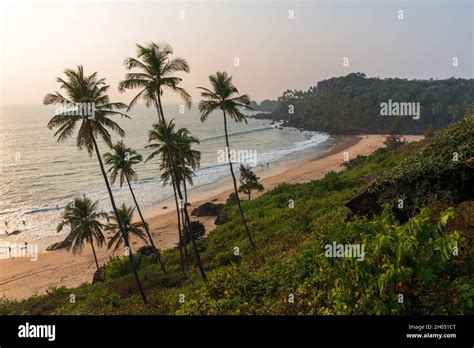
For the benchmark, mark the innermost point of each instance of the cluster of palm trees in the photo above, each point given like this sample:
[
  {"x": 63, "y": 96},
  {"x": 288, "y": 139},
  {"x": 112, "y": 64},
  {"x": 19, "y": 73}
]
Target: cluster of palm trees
[{"x": 151, "y": 73}]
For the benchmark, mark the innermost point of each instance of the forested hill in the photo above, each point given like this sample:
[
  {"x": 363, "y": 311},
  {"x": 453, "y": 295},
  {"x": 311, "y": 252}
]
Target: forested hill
[{"x": 354, "y": 104}]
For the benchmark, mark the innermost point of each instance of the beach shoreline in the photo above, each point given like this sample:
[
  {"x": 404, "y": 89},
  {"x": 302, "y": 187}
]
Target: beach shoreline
[{"x": 21, "y": 277}]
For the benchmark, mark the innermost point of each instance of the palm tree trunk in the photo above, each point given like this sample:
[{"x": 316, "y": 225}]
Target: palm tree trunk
[
  {"x": 180, "y": 234},
  {"x": 186, "y": 238},
  {"x": 249, "y": 235},
  {"x": 183, "y": 236},
  {"x": 93, "y": 252},
  {"x": 173, "y": 176},
  {"x": 185, "y": 192},
  {"x": 145, "y": 225},
  {"x": 114, "y": 207},
  {"x": 185, "y": 204}
]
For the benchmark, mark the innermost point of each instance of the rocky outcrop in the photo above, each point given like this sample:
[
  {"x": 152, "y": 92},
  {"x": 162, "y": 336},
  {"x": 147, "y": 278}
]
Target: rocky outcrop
[
  {"x": 364, "y": 203},
  {"x": 207, "y": 209}
]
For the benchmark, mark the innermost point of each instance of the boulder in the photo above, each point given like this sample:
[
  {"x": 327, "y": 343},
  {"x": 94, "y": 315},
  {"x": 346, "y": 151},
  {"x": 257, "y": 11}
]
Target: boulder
[
  {"x": 207, "y": 209},
  {"x": 364, "y": 203}
]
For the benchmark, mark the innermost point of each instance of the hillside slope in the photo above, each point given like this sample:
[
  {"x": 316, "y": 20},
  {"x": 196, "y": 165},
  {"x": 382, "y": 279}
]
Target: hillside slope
[{"x": 427, "y": 261}]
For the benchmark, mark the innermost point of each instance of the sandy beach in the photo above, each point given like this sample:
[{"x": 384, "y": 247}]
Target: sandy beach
[{"x": 22, "y": 277}]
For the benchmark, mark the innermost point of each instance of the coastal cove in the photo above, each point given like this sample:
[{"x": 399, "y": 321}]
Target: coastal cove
[{"x": 21, "y": 278}]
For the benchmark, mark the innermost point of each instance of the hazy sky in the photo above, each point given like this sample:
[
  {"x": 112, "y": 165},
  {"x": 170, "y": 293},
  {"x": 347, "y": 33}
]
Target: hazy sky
[{"x": 41, "y": 38}]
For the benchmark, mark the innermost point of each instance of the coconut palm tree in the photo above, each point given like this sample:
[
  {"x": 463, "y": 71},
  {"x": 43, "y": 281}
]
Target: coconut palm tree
[
  {"x": 185, "y": 158},
  {"x": 86, "y": 105},
  {"x": 121, "y": 163},
  {"x": 83, "y": 218},
  {"x": 156, "y": 68},
  {"x": 225, "y": 96},
  {"x": 125, "y": 215},
  {"x": 157, "y": 140}
]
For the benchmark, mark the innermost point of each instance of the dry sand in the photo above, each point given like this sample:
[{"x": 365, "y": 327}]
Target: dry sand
[{"x": 21, "y": 277}]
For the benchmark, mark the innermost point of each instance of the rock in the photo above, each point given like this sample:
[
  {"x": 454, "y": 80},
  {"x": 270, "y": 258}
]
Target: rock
[
  {"x": 364, "y": 203},
  {"x": 207, "y": 209},
  {"x": 56, "y": 246}
]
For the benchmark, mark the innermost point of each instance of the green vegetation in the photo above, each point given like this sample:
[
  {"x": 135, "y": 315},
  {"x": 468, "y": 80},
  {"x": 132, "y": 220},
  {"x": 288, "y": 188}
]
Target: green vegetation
[
  {"x": 429, "y": 259},
  {"x": 249, "y": 181},
  {"x": 442, "y": 170},
  {"x": 198, "y": 229},
  {"x": 351, "y": 104}
]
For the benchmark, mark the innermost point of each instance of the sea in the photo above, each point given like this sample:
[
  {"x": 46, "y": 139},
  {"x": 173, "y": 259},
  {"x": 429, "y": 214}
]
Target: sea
[{"x": 39, "y": 176}]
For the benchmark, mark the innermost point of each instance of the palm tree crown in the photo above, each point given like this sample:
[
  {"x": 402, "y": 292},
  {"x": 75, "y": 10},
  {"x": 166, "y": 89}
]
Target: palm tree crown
[
  {"x": 80, "y": 88},
  {"x": 222, "y": 96},
  {"x": 121, "y": 162},
  {"x": 84, "y": 219},
  {"x": 125, "y": 214},
  {"x": 156, "y": 67},
  {"x": 180, "y": 142}
]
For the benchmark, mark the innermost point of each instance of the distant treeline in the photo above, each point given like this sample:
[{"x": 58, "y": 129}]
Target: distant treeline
[{"x": 352, "y": 104}]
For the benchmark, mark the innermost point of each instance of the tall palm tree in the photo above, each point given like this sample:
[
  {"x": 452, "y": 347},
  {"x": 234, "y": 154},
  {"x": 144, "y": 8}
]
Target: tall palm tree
[
  {"x": 157, "y": 140},
  {"x": 185, "y": 158},
  {"x": 156, "y": 68},
  {"x": 225, "y": 96},
  {"x": 83, "y": 90},
  {"x": 83, "y": 218},
  {"x": 125, "y": 215},
  {"x": 121, "y": 163}
]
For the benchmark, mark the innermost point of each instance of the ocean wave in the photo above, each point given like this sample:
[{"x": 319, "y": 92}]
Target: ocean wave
[
  {"x": 42, "y": 209},
  {"x": 237, "y": 133}
]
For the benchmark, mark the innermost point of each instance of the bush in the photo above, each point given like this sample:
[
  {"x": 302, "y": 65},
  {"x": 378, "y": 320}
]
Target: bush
[{"x": 198, "y": 229}]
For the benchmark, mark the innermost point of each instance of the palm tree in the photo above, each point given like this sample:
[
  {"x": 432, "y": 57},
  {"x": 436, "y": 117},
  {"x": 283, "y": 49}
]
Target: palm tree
[
  {"x": 83, "y": 218},
  {"x": 121, "y": 163},
  {"x": 125, "y": 215},
  {"x": 88, "y": 91},
  {"x": 157, "y": 140},
  {"x": 185, "y": 158},
  {"x": 156, "y": 68},
  {"x": 224, "y": 96}
]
